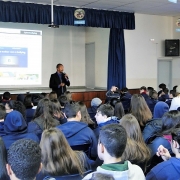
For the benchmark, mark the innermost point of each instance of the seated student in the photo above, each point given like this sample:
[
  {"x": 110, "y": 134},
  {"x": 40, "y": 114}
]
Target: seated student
[
  {"x": 29, "y": 108},
  {"x": 160, "y": 109},
  {"x": 164, "y": 95},
  {"x": 35, "y": 99},
  {"x": 104, "y": 116},
  {"x": 140, "y": 110},
  {"x": 58, "y": 159},
  {"x": 114, "y": 92},
  {"x": 52, "y": 95},
  {"x": 85, "y": 116},
  {"x": 170, "y": 168},
  {"x": 20, "y": 97},
  {"x": 119, "y": 110},
  {"x": 175, "y": 103},
  {"x": 3, "y": 161},
  {"x": 76, "y": 132},
  {"x": 68, "y": 95},
  {"x": 63, "y": 101},
  {"x": 161, "y": 87},
  {"x": 149, "y": 90},
  {"x": 143, "y": 92},
  {"x": 23, "y": 160},
  {"x": 111, "y": 145},
  {"x": 43, "y": 118},
  {"x": 125, "y": 99},
  {"x": 2, "y": 117},
  {"x": 15, "y": 128},
  {"x": 57, "y": 114},
  {"x": 95, "y": 103},
  {"x": 172, "y": 94},
  {"x": 136, "y": 150},
  {"x": 6, "y": 97}
]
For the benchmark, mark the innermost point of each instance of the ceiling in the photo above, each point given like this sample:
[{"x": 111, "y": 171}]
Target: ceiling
[{"x": 154, "y": 7}]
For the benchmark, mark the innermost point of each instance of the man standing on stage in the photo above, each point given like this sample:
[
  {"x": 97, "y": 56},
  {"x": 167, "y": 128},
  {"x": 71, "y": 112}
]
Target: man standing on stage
[{"x": 59, "y": 80}]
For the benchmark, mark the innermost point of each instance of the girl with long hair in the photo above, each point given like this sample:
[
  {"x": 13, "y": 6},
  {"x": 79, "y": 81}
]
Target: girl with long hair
[
  {"x": 136, "y": 150},
  {"x": 43, "y": 118},
  {"x": 140, "y": 110},
  {"x": 58, "y": 158}
]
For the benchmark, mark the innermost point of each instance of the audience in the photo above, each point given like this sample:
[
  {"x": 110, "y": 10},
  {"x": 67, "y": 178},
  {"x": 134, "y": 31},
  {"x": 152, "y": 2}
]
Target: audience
[
  {"x": 136, "y": 150},
  {"x": 43, "y": 118},
  {"x": 15, "y": 128},
  {"x": 76, "y": 132},
  {"x": 68, "y": 95},
  {"x": 104, "y": 116},
  {"x": 140, "y": 110},
  {"x": 111, "y": 145},
  {"x": 3, "y": 161},
  {"x": 58, "y": 159},
  {"x": 23, "y": 160},
  {"x": 170, "y": 168}
]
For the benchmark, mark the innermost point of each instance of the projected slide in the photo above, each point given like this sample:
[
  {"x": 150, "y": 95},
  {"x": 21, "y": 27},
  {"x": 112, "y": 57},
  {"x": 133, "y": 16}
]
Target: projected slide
[{"x": 20, "y": 57}]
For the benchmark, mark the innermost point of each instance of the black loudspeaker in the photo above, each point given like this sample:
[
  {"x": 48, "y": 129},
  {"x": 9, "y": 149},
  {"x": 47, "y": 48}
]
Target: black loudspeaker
[{"x": 172, "y": 47}]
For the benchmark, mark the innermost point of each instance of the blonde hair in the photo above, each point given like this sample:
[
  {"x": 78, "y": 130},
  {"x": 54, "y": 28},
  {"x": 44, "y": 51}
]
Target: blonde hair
[
  {"x": 140, "y": 109},
  {"x": 57, "y": 156},
  {"x": 136, "y": 149}
]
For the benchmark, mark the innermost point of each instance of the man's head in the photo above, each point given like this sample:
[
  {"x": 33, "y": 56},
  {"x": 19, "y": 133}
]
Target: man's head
[
  {"x": 72, "y": 111},
  {"x": 162, "y": 86},
  {"x": 60, "y": 68},
  {"x": 112, "y": 141},
  {"x": 103, "y": 112},
  {"x": 23, "y": 160},
  {"x": 6, "y": 96},
  {"x": 143, "y": 89}
]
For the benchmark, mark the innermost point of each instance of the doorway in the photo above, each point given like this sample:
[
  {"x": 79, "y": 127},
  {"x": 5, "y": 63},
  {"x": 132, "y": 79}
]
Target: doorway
[{"x": 165, "y": 73}]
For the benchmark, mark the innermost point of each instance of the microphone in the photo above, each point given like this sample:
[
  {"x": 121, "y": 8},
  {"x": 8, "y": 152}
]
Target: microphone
[{"x": 65, "y": 75}]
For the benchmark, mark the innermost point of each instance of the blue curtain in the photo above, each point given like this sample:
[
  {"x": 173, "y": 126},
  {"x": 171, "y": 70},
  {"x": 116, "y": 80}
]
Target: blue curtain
[
  {"x": 116, "y": 59},
  {"x": 41, "y": 14}
]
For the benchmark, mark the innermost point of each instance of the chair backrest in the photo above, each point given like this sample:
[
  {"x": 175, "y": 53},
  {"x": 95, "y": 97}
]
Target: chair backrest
[{"x": 82, "y": 147}]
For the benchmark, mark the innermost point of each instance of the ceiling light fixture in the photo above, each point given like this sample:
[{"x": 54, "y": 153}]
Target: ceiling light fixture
[
  {"x": 173, "y": 1},
  {"x": 52, "y": 25}
]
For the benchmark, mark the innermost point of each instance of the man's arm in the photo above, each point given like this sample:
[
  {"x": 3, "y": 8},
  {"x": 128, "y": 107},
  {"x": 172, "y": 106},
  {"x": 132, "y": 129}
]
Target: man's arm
[{"x": 52, "y": 82}]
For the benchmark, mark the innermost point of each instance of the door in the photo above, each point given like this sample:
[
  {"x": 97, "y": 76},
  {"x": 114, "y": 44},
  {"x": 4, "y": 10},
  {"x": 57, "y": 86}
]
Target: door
[
  {"x": 165, "y": 73},
  {"x": 90, "y": 65}
]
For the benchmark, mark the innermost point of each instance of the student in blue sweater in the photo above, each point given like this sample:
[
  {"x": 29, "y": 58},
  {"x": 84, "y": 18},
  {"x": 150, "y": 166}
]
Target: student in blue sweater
[{"x": 170, "y": 168}]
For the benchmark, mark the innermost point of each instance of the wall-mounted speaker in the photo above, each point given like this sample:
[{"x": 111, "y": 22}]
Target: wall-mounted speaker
[{"x": 172, "y": 47}]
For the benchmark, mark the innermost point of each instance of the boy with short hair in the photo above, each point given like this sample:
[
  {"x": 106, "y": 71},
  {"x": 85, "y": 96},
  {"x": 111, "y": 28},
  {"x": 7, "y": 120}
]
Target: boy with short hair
[
  {"x": 111, "y": 145},
  {"x": 23, "y": 160}
]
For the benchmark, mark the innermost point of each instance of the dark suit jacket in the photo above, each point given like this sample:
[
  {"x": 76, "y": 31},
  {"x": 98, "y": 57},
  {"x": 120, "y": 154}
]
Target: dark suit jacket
[{"x": 55, "y": 82}]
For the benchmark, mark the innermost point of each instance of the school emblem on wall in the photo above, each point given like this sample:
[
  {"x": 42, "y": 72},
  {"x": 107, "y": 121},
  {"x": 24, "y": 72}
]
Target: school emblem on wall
[{"x": 79, "y": 14}]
